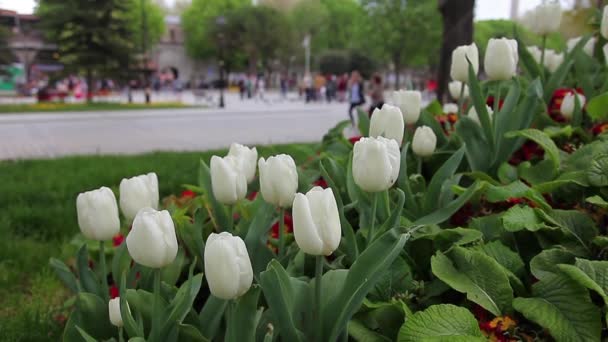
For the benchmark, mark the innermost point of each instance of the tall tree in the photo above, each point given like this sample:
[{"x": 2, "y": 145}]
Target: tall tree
[
  {"x": 92, "y": 36},
  {"x": 154, "y": 25},
  {"x": 198, "y": 19},
  {"x": 457, "y": 30},
  {"x": 404, "y": 32}
]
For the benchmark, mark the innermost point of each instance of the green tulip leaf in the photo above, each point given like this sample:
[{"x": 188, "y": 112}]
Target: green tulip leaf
[
  {"x": 282, "y": 294},
  {"x": 211, "y": 315},
  {"x": 596, "y": 108},
  {"x": 88, "y": 280},
  {"x": 363, "y": 122},
  {"x": 130, "y": 325},
  {"x": 403, "y": 182},
  {"x": 349, "y": 242},
  {"x": 85, "y": 336},
  {"x": 563, "y": 307},
  {"x": 479, "y": 102},
  {"x": 362, "y": 276},
  {"x": 65, "y": 275},
  {"x": 477, "y": 148},
  {"x": 443, "y": 214},
  {"x": 190, "y": 333},
  {"x": 476, "y": 274},
  {"x": 257, "y": 235},
  {"x": 94, "y": 316},
  {"x": 219, "y": 215},
  {"x": 121, "y": 262},
  {"x": 445, "y": 172},
  {"x": 443, "y": 322},
  {"x": 181, "y": 304},
  {"x": 243, "y": 322},
  {"x": 578, "y": 178}
]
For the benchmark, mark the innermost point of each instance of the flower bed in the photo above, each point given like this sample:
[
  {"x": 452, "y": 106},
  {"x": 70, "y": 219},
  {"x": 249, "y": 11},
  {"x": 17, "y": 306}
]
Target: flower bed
[{"x": 486, "y": 223}]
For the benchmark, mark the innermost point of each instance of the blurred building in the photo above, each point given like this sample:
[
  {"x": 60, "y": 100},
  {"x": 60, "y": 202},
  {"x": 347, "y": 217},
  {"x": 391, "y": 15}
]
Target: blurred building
[
  {"x": 27, "y": 45},
  {"x": 170, "y": 55}
]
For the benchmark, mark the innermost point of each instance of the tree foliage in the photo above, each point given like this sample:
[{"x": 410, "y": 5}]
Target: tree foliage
[{"x": 155, "y": 22}]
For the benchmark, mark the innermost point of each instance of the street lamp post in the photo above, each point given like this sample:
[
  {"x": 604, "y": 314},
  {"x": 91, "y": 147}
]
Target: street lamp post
[{"x": 221, "y": 22}]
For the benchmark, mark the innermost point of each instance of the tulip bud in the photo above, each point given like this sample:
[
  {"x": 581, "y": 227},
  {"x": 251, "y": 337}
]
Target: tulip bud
[
  {"x": 475, "y": 117},
  {"x": 278, "y": 180},
  {"x": 316, "y": 222},
  {"x": 424, "y": 141},
  {"x": 455, "y": 87},
  {"x": 137, "y": 193},
  {"x": 460, "y": 65},
  {"x": 501, "y": 59},
  {"x": 387, "y": 122},
  {"x": 410, "y": 102},
  {"x": 114, "y": 310},
  {"x": 248, "y": 157},
  {"x": 553, "y": 60},
  {"x": 605, "y": 50},
  {"x": 376, "y": 163},
  {"x": 604, "y": 25},
  {"x": 588, "y": 48},
  {"x": 98, "y": 214},
  {"x": 547, "y": 18},
  {"x": 535, "y": 52},
  {"x": 450, "y": 108},
  {"x": 569, "y": 103},
  {"x": 228, "y": 180},
  {"x": 151, "y": 241},
  {"x": 227, "y": 266}
]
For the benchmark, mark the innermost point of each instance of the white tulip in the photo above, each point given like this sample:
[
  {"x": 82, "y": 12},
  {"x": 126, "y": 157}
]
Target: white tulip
[
  {"x": 605, "y": 50},
  {"x": 228, "y": 180},
  {"x": 278, "y": 180},
  {"x": 316, "y": 222},
  {"x": 604, "y": 25},
  {"x": 98, "y": 214},
  {"x": 536, "y": 53},
  {"x": 424, "y": 142},
  {"x": 460, "y": 65},
  {"x": 137, "y": 193},
  {"x": 547, "y": 18},
  {"x": 152, "y": 241},
  {"x": 227, "y": 266},
  {"x": 455, "y": 87},
  {"x": 501, "y": 59},
  {"x": 588, "y": 48},
  {"x": 376, "y": 163},
  {"x": 248, "y": 157},
  {"x": 387, "y": 122},
  {"x": 410, "y": 103},
  {"x": 450, "y": 108},
  {"x": 114, "y": 310},
  {"x": 569, "y": 103},
  {"x": 475, "y": 117},
  {"x": 553, "y": 60}
]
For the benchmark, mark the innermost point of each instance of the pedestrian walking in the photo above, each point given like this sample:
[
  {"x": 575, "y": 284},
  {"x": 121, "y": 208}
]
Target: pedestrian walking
[
  {"x": 376, "y": 93},
  {"x": 355, "y": 94}
]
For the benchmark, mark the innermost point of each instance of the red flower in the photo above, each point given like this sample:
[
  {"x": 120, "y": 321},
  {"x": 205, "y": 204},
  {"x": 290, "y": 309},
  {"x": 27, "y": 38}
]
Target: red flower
[
  {"x": 114, "y": 292},
  {"x": 288, "y": 224},
  {"x": 462, "y": 216},
  {"x": 252, "y": 195},
  {"x": 599, "y": 128},
  {"x": 555, "y": 104},
  {"x": 353, "y": 140},
  {"x": 117, "y": 240},
  {"x": 490, "y": 102},
  {"x": 91, "y": 264},
  {"x": 528, "y": 151},
  {"x": 320, "y": 182},
  {"x": 188, "y": 194}
]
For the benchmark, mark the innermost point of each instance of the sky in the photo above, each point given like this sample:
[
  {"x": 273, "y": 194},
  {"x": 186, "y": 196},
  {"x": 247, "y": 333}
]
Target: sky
[{"x": 486, "y": 9}]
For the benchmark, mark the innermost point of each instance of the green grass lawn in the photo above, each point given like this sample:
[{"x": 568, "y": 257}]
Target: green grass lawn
[
  {"x": 84, "y": 107},
  {"x": 38, "y": 219}
]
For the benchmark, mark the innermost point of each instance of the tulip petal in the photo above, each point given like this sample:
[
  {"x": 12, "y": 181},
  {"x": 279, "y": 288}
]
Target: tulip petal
[{"x": 304, "y": 228}]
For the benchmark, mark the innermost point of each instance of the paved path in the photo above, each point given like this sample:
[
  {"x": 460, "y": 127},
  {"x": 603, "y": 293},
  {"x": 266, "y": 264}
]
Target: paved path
[{"x": 46, "y": 135}]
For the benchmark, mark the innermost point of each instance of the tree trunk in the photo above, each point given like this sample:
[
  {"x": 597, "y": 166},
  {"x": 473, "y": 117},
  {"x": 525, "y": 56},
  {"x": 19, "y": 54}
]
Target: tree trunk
[
  {"x": 457, "y": 30},
  {"x": 90, "y": 85}
]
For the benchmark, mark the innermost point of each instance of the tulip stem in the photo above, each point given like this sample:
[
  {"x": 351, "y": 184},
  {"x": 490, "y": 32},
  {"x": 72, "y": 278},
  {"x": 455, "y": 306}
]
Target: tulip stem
[
  {"x": 461, "y": 99},
  {"x": 104, "y": 275},
  {"x": 542, "y": 57},
  {"x": 282, "y": 232},
  {"x": 155, "y": 333},
  {"x": 370, "y": 233},
  {"x": 230, "y": 218},
  {"x": 496, "y": 100},
  {"x": 419, "y": 165},
  {"x": 317, "y": 308},
  {"x": 121, "y": 337}
]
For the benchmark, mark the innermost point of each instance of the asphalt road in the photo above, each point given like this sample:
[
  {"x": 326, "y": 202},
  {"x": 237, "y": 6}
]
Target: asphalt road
[{"x": 46, "y": 135}]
